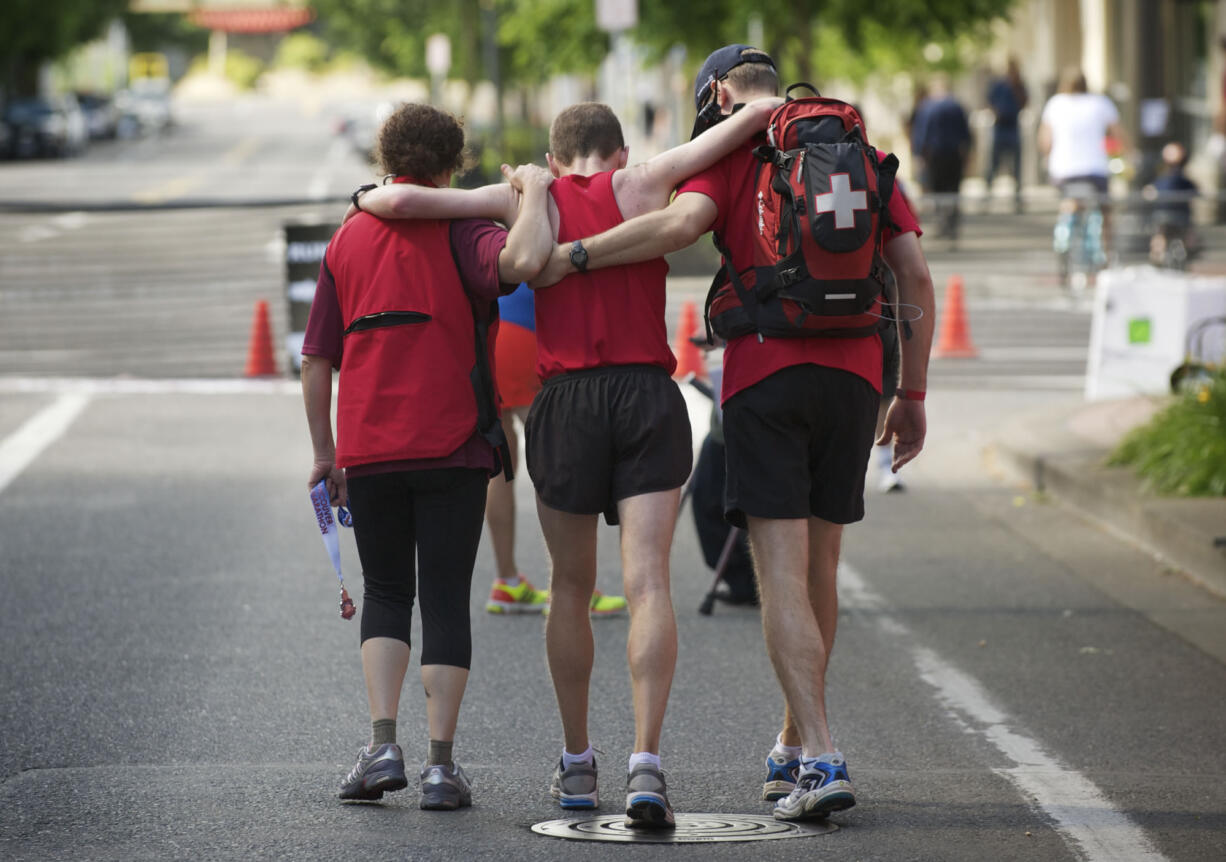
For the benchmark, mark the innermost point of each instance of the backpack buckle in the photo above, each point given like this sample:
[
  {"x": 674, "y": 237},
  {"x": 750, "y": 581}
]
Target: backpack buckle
[{"x": 790, "y": 276}]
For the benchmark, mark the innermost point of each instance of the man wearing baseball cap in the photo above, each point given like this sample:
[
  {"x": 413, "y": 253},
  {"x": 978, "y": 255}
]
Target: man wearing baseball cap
[{"x": 799, "y": 417}]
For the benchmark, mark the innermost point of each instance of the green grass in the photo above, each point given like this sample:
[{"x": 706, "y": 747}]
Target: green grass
[{"x": 1182, "y": 450}]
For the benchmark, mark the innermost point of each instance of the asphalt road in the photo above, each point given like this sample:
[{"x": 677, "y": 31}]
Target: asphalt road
[{"x": 1009, "y": 681}]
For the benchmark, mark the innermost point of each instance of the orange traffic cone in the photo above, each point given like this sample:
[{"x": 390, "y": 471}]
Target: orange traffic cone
[
  {"x": 955, "y": 341},
  {"x": 259, "y": 353},
  {"x": 689, "y": 357}
]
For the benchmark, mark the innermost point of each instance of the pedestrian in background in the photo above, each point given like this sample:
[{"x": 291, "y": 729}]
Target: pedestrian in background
[
  {"x": 1073, "y": 132},
  {"x": 410, "y": 330},
  {"x": 941, "y": 136},
  {"x": 1007, "y": 97}
]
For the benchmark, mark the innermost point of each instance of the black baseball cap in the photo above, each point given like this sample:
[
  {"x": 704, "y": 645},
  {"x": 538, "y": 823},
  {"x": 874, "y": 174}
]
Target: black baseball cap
[{"x": 720, "y": 63}]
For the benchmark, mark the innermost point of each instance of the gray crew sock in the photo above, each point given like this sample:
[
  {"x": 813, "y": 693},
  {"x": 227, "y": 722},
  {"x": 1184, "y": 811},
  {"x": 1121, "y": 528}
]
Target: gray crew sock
[
  {"x": 440, "y": 753},
  {"x": 383, "y": 731}
]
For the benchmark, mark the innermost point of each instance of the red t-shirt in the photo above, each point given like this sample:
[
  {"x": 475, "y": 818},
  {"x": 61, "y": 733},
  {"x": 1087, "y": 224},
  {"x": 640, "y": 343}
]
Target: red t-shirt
[
  {"x": 730, "y": 184},
  {"x": 475, "y": 246},
  {"x": 604, "y": 317}
]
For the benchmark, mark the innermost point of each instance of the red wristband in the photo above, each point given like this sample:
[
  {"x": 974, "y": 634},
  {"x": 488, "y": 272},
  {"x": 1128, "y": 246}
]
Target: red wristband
[{"x": 910, "y": 394}]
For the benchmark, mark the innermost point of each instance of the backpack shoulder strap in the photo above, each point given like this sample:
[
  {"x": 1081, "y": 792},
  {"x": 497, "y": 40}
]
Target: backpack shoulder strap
[
  {"x": 488, "y": 422},
  {"x": 887, "y": 169},
  {"x": 482, "y": 379}
]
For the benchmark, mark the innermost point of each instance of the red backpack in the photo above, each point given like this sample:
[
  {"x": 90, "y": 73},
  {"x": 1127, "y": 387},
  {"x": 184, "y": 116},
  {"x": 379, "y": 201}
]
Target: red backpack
[{"x": 822, "y": 197}]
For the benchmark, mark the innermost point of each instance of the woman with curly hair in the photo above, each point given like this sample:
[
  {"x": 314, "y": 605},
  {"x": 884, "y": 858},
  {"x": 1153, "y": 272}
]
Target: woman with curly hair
[{"x": 410, "y": 327}]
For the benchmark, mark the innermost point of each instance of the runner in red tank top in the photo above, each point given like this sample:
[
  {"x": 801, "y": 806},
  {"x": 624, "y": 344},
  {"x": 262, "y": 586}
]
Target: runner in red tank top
[
  {"x": 798, "y": 421},
  {"x": 609, "y": 431}
]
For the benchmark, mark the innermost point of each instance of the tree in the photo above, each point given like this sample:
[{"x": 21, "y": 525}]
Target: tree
[
  {"x": 541, "y": 38},
  {"x": 158, "y": 31},
  {"x": 391, "y": 34},
  {"x": 803, "y": 36},
  {"x": 35, "y": 31}
]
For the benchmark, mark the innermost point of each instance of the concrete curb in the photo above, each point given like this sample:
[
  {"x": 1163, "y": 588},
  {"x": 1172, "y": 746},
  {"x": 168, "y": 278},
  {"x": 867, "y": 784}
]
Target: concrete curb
[{"x": 1063, "y": 453}]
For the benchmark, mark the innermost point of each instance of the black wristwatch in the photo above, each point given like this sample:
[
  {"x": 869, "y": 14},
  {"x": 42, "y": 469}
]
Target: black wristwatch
[
  {"x": 578, "y": 256},
  {"x": 358, "y": 193}
]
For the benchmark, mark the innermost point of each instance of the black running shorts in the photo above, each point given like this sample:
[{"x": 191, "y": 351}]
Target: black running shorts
[
  {"x": 798, "y": 445},
  {"x": 597, "y": 436}
]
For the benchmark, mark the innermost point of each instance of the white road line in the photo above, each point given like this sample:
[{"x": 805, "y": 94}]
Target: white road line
[
  {"x": 146, "y": 386},
  {"x": 19, "y": 449},
  {"x": 1094, "y": 829},
  {"x": 321, "y": 181}
]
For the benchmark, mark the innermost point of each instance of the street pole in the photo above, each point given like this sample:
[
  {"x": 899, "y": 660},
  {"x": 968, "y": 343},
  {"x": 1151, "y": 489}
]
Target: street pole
[{"x": 493, "y": 71}]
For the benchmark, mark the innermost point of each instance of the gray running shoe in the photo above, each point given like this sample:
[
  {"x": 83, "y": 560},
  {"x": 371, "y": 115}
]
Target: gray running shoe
[
  {"x": 647, "y": 799},
  {"x": 575, "y": 787},
  {"x": 445, "y": 788},
  {"x": 377, "y": 772}
]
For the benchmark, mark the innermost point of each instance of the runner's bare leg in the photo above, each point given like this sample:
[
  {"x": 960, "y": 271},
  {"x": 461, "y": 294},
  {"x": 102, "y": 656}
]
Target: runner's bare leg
[
  {"x": 647, "y": 525},
  {"x": 571, "y": 540}
]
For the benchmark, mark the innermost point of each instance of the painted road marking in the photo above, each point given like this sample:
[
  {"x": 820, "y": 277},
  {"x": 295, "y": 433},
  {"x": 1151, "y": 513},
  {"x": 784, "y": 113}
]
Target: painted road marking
[
  {"x": 180, "y": 186},
  {"x": 53, "y": 228},
  {"x": 1092, "y": 827},
  {"x": 321, "y": 180},
  {"x": 141, "y": 386},
  {"x": 20, "y": 448}
]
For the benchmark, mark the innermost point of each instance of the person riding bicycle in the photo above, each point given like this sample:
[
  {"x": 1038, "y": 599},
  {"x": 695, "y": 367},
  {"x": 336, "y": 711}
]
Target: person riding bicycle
[{"x": 1073, "y": 133}]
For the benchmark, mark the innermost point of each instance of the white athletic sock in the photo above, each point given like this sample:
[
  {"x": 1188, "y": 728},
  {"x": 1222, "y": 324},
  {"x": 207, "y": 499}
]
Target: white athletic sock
[
  {"x": 834, "y": 758},
  {"x": 512, "y": 582},
  {"x": 641, "y": 757},
  {"x": 791, "y": 752},
  {"x": 569, "y": 760}
]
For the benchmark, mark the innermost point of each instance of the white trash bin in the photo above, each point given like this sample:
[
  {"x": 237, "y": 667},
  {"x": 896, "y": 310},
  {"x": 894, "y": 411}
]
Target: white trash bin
[{"x": 1139, "y": 332}]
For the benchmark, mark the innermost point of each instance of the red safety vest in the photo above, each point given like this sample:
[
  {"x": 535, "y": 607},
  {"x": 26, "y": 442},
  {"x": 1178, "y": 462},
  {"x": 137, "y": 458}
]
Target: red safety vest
[{"x": 407, "y": 370}]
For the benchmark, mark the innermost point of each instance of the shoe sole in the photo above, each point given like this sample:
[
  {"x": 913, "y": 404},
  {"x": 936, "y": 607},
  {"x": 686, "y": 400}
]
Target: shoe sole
[
  {"x": 371, "y": 790},
  {"x": 447, "y": 799},
  {"x": 578, "y": 802},
  {"x": 648, "y": 811},
  {"x": 820, "y": 808},
  {"x": 443, "y": 803},
  {"x": 775, "y": 790}
]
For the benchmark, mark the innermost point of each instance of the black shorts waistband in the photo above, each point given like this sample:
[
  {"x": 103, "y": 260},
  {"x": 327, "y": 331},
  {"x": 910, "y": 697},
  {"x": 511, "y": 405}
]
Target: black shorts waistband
[{"x": 602, "y": 370}]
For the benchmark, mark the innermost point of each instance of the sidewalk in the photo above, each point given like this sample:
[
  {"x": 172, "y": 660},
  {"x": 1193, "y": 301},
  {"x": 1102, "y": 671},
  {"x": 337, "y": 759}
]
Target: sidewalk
[{"x": 1063, "y": 452}]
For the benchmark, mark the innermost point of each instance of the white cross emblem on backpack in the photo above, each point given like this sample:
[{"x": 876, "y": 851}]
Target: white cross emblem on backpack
[{"x": 841, "y": 201}]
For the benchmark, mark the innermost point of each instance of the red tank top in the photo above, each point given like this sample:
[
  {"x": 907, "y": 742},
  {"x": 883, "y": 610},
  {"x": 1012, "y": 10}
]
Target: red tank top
[{"x": 603, "y": 317}]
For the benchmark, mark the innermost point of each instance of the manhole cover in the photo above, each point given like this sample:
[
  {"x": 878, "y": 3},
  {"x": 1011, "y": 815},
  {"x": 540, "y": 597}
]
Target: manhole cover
[{"x": 691, "y": 828}]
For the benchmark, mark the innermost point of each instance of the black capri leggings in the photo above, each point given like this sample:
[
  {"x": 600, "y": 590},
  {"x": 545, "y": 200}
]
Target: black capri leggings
[{"x": 435, "y": 516}]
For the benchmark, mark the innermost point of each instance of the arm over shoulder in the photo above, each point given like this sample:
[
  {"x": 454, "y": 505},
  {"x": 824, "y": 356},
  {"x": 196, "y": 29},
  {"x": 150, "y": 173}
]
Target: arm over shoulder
[{"x": 403, "y": 200}]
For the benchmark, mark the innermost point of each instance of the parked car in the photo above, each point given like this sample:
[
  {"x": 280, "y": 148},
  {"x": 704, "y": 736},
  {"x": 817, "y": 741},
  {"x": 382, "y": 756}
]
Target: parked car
[
  {"x": 45, "y": 126},
  {"x": 143, "y": 109},
  {"x": 101, "y": 114}
]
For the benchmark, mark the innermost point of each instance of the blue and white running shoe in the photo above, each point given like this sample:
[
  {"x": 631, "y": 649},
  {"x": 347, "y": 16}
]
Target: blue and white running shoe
[
  {"x": 822, "y": 787},
  {"x": 780, "y": 776}
]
